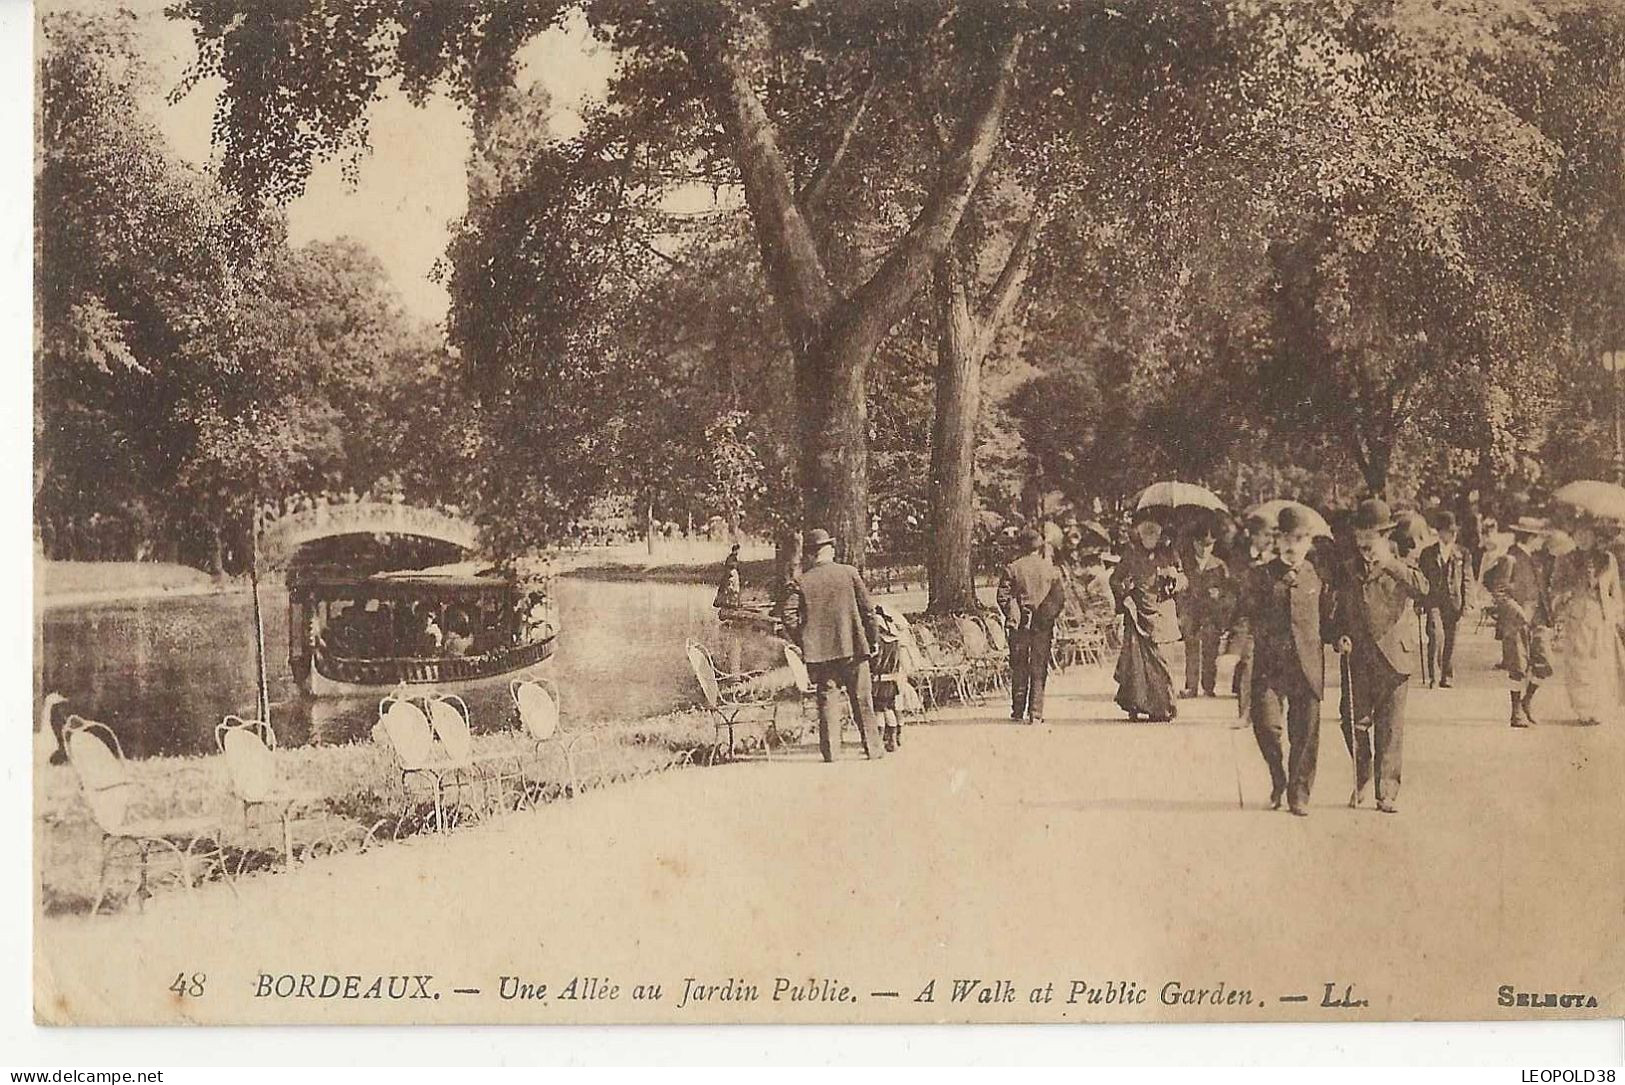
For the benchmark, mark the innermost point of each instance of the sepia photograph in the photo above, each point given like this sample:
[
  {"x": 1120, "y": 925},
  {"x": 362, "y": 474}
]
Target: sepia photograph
[{"x": 827, "y": 512}]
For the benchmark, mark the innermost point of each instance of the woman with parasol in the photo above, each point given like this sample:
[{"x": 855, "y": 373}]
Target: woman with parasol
[
  {"x": 1145, "y": 584},
  {"x": 1587, "y": 604}
]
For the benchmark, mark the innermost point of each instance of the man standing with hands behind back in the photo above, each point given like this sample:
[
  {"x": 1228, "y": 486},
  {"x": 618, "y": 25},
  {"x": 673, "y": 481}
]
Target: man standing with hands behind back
[
  {"x": 828, "y": 614},
  {"x": 1030, "y": 598},
  {"x": 1373, "y": 618}
]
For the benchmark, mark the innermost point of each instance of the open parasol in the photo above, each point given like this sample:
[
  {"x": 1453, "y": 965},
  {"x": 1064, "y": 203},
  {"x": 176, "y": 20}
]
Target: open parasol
[
  {"x": 1602, "y": 500},
  {"x": 1270, "y": 513},
  {"x": 1179, "y": 495}
]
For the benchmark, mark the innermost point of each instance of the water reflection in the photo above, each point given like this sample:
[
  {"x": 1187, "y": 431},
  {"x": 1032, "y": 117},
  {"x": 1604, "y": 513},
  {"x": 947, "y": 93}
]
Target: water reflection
[{"x": 163, "y": 672}]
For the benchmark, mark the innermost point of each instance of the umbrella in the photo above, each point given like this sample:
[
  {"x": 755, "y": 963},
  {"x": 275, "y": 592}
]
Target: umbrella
[
  {"x": 1179, "y": 495},
  {"x": 1603, "y": 500},
  {"x": 1270, "y": 512}
]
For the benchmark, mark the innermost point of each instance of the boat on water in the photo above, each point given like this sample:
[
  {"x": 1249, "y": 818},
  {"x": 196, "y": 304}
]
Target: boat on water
[{"x": 383, "y": 596}]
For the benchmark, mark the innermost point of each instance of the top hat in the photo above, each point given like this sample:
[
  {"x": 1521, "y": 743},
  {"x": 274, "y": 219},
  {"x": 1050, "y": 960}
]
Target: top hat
[
  {"x": 817, "y": 538},
  {"x": 1527, "y": 525},
  {"x": 1372, "y": 515}
]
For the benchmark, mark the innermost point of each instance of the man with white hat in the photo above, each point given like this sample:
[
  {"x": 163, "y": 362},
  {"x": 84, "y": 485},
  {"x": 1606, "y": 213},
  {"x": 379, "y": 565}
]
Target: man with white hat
[{"x": 828, "y": 614}]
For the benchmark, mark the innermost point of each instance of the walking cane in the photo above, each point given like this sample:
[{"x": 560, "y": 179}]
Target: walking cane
[{"x": 1346, "y": 710}]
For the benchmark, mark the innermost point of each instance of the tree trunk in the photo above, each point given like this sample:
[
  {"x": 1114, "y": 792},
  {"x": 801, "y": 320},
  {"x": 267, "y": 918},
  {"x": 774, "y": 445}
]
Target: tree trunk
[
  {"x": 832, "y": 336},
  {"x": 834, "y": 422},
  {"x": 949, "y": 573},
  {"x": 217, "y": 551},
  {"x": 1374, "y": 456}
]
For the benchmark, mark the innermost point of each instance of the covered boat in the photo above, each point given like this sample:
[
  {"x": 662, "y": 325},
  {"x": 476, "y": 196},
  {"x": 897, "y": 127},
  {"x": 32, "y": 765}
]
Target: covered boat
[{"x": 384, "y": 595}]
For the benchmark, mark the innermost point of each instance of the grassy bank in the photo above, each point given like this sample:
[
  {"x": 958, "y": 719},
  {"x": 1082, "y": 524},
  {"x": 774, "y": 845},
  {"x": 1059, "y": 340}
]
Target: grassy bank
[
  {"x": 359, "y": 801},
  {"x": 74, "y": 583}
]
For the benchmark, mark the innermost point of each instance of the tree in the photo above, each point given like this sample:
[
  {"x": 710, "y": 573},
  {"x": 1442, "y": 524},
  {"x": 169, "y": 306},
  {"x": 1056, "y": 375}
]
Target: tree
[
  {"x": 129, "y": 263},
  {"x": 1417, "y": 270}
]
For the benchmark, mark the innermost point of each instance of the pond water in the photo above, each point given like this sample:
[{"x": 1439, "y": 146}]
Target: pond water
[{"x": 163, "y": 672}]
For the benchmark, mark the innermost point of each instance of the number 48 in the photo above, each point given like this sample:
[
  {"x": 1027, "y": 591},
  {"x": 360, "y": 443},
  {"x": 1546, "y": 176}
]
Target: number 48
[{"x": 193, "y": 986}]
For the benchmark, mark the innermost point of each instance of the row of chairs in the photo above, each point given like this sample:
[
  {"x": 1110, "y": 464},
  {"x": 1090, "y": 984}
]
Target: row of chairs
[
  {"x": 1082, "y": 638},
  {"x": 430, "y": 744}
]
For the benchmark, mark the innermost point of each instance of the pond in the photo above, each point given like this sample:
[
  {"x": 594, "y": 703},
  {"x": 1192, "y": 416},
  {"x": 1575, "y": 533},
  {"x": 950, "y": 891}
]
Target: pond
[{"x": 163, "y": 672}]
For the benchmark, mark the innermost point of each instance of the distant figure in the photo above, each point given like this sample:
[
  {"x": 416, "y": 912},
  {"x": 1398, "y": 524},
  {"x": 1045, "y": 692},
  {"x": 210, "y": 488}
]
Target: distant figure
[
  {"x": 730, "y": 591},
  {"x": 459, "y": 638},
  {"x": 1030, "y": 598},
  {"x": 1257, "y": 550},
  {"x": 827, "y": 613},
  {"x": 1517, "y": 584},
  {"x": 1204, "y": 610},
  {"x": 1587, "y": 608},
  {"x": 1474, "y": 536},
  {"x": 1448, "y": 568}
]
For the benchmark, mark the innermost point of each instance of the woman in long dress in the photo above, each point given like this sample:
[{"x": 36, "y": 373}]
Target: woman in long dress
[
  {"x": 1145, "y": 583},
  {"x": 1587, "y": 604}
]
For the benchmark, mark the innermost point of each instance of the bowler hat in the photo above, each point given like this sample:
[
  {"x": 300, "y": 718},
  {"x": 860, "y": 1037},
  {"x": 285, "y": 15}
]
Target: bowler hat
[
  {"x": 1444, "y": 520},
  {"x": 1372, "y": 515},
  {"x": 1292, "y": 521},
  {"x": 817, "y": 538},
  {"x": 1030, "y": 539}
]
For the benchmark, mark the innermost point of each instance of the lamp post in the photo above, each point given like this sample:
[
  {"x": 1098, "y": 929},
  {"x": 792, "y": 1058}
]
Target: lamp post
[{"x": 1614, "y": 362}]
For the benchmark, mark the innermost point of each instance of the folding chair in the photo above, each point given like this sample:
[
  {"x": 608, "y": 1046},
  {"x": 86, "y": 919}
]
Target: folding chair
[{"x": 98, "y": 761}]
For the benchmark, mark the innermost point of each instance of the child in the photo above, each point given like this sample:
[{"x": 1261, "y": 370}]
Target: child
[{"x": 889, "y": 676}]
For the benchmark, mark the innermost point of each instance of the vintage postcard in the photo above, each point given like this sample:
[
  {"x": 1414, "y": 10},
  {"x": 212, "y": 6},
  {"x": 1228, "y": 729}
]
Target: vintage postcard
[{"x": 725, "y": 511}]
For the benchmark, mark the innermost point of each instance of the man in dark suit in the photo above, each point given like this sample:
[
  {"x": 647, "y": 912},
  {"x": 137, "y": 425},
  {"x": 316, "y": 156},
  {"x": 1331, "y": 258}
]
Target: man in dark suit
[
  {"x": 1204, "y": 608},
  {"x": 1030, "y": 598},
  {"x": 1517, "y": 582},
  {"x": 1255, "y": 551},
  {"x": 1448, "y": 568},
  {"x": 1374, "y": 618},
  {"x": 828, "y": 614},
  {"x": 1281, "y": 605}
]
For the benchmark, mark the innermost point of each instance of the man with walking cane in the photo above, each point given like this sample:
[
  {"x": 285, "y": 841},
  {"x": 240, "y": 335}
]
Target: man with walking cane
[
  {"x": 1282, "y": 604},
  {"x": 1377, "y": 637},
  {"x": 1254, "y": 553}
]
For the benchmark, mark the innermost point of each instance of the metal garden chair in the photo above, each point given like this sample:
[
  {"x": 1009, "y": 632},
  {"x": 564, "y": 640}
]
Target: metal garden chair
[
  {"x": 733, "y": 696},
  {"x": 247, "y": 746},
  {"x": 98, "y": 760}
]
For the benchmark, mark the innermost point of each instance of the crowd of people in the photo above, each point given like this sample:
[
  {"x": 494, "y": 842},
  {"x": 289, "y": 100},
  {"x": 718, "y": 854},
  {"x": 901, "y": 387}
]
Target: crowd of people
[
  {"x": 1388, "y": 593},
  {"x": 363, "y": 626}
]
